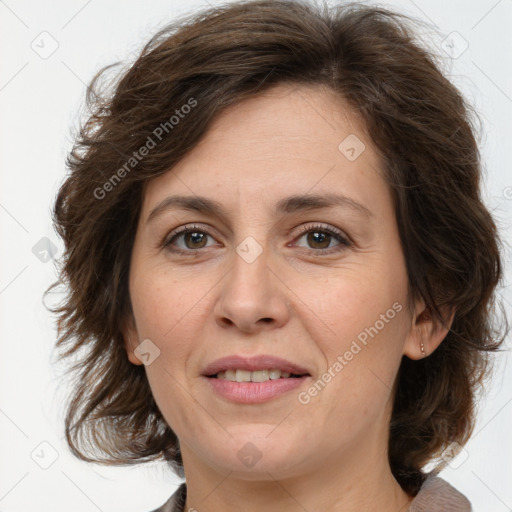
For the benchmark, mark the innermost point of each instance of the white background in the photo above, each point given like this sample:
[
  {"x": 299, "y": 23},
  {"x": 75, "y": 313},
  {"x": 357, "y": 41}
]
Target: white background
[{"x": 39, "y": 100}]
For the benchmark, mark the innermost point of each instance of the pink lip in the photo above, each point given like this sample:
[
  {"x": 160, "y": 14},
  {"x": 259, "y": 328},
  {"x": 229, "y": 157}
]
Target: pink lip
[
  {"x": 254, "y": 392},
  {"x": 261, "y": 362}
]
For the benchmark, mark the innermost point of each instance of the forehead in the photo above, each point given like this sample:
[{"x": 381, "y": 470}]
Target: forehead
[
  {"x": 290, "y": 139},
  {"x": 287, "y": 121}
]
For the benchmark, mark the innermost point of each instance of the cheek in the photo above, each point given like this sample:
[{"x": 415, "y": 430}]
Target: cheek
[
  {"x": 358, "y": 304},
  {"x": 163, "y": 302},
  {"x": 360, "y": 327},
  {"x": 170, "y": 313},
  {"x": 354, "y": 392}
]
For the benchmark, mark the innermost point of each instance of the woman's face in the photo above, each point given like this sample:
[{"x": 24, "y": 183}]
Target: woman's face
[{"x": 321, "y": 286}]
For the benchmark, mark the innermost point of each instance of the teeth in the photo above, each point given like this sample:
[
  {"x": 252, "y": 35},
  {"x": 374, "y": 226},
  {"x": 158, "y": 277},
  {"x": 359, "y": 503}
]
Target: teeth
[
  {"x": 243, "y": 376},
  {"x": 256, "y": 376},
  {"x": 259, "y": 376}
]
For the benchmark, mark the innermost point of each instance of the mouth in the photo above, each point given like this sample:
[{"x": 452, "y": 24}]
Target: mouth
[
  {"x": 260, "y": 368},
  {"x": 239, "y": 375},
  {"x": 256, "y": 380}
]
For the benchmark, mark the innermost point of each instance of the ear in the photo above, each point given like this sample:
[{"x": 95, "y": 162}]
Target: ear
[
  {"x": 426, "y": 334},
  {"x": 131, "y": 340}
]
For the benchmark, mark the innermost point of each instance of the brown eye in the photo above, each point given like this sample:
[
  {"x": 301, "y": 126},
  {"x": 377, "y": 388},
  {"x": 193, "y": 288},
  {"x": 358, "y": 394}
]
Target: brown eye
[
  {"x": 196, "y": 238},
  {"x": 193, "y": 239},
  {"x": 319, "y": 239}
]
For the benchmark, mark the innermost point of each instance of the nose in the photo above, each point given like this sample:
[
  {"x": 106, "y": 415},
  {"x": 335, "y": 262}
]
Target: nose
[{"x": 252, "y": 297}]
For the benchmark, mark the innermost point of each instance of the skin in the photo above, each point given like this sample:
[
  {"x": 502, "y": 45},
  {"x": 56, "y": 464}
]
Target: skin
[{"x": 328, "y": 454}]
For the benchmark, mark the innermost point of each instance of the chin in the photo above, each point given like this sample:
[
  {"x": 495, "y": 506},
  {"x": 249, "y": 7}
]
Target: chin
[{"x": 251, "y": 454}]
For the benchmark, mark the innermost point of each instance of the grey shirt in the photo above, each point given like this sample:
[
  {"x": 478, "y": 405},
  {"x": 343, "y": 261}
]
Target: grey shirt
[{"x": 436, "y": 495}]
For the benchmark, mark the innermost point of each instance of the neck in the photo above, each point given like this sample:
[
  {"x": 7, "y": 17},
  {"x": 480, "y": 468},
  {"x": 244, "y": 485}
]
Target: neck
[{"x": 328, "y": 486}]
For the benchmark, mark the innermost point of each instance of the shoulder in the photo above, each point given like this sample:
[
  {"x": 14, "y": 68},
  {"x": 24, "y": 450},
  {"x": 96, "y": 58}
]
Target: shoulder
[
  {"x": 438, "y": 495},
  {"x": 176, "y": 503}
]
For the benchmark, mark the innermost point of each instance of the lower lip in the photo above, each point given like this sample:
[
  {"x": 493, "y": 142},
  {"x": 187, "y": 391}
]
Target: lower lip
[{"x": 254, "y": 392}]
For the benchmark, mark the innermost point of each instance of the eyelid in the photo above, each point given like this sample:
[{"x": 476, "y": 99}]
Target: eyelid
[
  {"x": 184, "y": 229},
  {"x": 344, "y": 240},
  {"x": 324, "y": 227}
]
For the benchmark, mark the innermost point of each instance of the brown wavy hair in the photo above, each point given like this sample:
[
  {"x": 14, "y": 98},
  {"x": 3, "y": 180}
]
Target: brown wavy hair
[{"x": 425, "y": 132}]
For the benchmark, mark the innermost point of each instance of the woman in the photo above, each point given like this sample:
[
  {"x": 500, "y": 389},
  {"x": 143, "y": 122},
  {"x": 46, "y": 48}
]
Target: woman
[{"x": 280, "y": 272}]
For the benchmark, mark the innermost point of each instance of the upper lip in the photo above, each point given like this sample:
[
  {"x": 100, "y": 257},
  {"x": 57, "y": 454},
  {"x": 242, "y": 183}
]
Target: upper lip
[{"x": 260, "y": 362}]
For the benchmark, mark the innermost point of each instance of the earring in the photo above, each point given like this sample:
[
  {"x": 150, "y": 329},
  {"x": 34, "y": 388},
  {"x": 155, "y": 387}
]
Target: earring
[{"x": 422, "y": 348}]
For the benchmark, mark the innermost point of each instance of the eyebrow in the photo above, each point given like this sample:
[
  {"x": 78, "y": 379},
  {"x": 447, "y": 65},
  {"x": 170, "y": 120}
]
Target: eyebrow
[{"x": 284, "y": 206}]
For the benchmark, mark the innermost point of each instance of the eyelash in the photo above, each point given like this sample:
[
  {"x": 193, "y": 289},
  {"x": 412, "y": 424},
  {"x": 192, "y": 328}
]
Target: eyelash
[{"x": 344, "y": 242}]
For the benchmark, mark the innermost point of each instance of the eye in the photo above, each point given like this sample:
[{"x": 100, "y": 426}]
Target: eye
[
  {"x": 320, "y": 237},
  {"x": 194, "y": 238}
]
